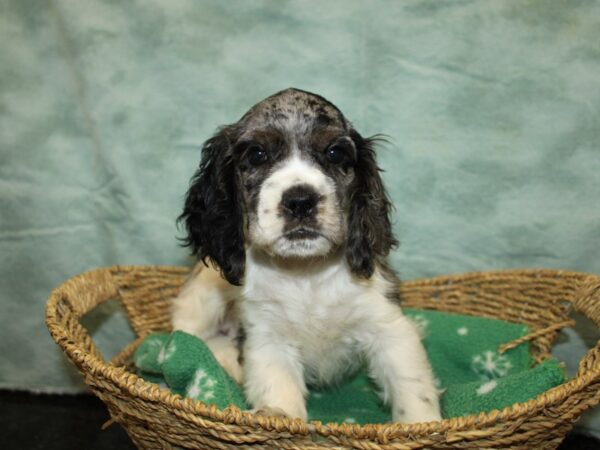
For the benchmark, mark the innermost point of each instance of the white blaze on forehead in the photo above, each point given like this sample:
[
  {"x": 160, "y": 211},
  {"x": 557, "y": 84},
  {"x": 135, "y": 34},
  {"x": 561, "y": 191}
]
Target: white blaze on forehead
[{"x": 298, "y": 171}]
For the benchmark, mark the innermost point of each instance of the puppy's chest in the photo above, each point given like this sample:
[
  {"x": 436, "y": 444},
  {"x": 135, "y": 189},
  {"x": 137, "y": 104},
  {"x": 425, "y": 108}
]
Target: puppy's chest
[{"x": 318, "y": 316}]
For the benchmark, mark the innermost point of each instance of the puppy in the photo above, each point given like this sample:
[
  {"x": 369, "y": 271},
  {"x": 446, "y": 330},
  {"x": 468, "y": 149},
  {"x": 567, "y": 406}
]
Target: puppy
[{"x": 289, "y": 208}]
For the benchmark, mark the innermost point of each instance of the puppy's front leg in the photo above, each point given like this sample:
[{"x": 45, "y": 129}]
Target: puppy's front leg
[
  {"x": 202, "y": 308},
  {"x": 399, "y": 364},
  {"x": 273, "y": 377}
]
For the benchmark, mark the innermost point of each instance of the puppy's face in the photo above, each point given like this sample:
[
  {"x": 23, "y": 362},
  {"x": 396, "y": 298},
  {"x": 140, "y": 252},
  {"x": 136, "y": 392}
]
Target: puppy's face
[
  {"x": 293, "y": 178},
  {"x": 295, "y": 164}
]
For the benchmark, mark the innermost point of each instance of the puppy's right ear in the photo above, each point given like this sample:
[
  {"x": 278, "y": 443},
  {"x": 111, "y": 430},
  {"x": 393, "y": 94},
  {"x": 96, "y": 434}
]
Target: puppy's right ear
[{"x": 213, "y": 212}]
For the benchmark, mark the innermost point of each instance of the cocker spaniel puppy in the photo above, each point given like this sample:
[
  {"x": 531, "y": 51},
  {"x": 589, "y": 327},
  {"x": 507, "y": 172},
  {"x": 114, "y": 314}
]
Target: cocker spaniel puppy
[{"x": 289, "y": 208}]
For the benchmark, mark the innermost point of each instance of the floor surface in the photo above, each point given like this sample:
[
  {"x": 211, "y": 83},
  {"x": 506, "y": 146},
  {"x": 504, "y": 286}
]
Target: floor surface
[{"x": 65, "y": 422}]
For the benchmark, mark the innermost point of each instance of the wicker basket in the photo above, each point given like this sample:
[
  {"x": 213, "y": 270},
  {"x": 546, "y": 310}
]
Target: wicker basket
[{"x": 155, "y": 418}]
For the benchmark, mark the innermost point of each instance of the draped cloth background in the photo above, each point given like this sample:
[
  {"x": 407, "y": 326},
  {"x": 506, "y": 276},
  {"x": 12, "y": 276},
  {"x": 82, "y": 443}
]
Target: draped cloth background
[{"x": 492, "y": 111}]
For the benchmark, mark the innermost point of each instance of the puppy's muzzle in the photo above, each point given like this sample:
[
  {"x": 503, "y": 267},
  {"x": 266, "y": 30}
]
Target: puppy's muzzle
[{"x": 299, "y": 202}]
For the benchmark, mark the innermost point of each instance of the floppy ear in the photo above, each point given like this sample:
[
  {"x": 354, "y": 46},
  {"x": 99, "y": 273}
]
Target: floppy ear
[
  {"x": 213, "y": 212},
  {"x": 370, "y": 235}
]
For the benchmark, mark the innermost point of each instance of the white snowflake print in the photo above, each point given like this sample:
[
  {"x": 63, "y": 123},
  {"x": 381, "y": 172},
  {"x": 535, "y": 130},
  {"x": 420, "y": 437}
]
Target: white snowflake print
[
  {"x": 462, "y": 331},
  {"x": 486, "y": 388},
  {"x": 166, "y": 352},
  {"x": 489, "y": 365},
  {"x": 154, "y": 345},
  {"x": 421, "y": 322},
  {"x": 201, "y": 387}
]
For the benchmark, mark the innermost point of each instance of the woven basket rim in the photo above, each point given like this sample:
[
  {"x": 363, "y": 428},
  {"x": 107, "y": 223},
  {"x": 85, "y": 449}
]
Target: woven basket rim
[{"x": 135, "y": 385}]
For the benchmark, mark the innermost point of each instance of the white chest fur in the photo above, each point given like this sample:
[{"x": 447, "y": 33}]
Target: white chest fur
[{"x": 317, "y": 312}]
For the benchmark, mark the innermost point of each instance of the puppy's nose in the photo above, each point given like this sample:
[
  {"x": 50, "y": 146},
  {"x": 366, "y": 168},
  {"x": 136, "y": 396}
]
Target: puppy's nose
[{"x": 299, "y": 202}]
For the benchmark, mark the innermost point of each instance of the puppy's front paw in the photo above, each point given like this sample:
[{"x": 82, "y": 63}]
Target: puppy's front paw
[
  {"x": 422, "y": 409},
  {"x": 269, "y": 411},
  {"x": 416, "y": 416}
]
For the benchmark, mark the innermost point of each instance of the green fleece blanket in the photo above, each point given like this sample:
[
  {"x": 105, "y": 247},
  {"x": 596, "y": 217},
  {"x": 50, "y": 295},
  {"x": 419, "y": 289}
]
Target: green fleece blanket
[{"x": 463, "y": 352}]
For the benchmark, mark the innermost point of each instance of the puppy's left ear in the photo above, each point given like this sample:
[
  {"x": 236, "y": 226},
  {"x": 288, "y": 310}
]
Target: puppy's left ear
[{"x": 370, "y": 236}]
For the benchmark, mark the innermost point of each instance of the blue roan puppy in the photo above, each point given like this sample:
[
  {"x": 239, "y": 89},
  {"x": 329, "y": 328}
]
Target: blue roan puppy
[{"x": 289, "y": 209}]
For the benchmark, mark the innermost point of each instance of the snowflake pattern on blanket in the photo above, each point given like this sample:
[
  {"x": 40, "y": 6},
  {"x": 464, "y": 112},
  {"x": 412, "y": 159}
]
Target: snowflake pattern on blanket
[
  {"x": 201, "y": 387},
  {"x": 490, "y": 365}
]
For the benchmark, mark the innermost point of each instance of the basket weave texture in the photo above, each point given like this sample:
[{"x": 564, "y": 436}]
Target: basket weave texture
[{"x": 156, "y": 419}]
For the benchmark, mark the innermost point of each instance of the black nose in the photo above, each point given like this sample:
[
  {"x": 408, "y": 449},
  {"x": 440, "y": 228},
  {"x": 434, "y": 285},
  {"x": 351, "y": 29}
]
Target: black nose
[{"x": 299, "y": 202}]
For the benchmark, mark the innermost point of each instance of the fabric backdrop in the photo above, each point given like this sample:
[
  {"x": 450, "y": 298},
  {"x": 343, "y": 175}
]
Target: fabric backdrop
[{"x": 492, "y": 111}]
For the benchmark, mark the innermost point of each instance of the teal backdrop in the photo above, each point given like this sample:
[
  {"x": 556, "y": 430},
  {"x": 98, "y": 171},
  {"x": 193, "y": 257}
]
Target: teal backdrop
[{"x": 492, "y": 110}]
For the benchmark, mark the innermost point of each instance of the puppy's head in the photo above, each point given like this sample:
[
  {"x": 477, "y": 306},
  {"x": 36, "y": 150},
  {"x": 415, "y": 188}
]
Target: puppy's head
[{"x": 293, "y": 178}]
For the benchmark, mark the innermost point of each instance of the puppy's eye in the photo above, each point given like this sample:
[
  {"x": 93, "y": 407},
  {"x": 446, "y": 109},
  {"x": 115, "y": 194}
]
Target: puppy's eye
[
  {"x": 256, "y": 155},
  {"x": 335, "y": 154}
]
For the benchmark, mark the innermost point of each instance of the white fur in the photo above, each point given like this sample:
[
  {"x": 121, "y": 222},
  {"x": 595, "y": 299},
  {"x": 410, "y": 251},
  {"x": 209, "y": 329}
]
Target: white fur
[
  {"x": 267, "y": 231},
  {"x": 313, "y": 322}
]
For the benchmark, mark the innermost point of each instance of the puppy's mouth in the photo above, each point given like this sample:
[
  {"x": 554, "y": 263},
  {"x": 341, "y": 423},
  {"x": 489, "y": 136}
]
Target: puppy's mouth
[
  {"x": 302, "y": 234},
  {"x": 301, "y": 242}
]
